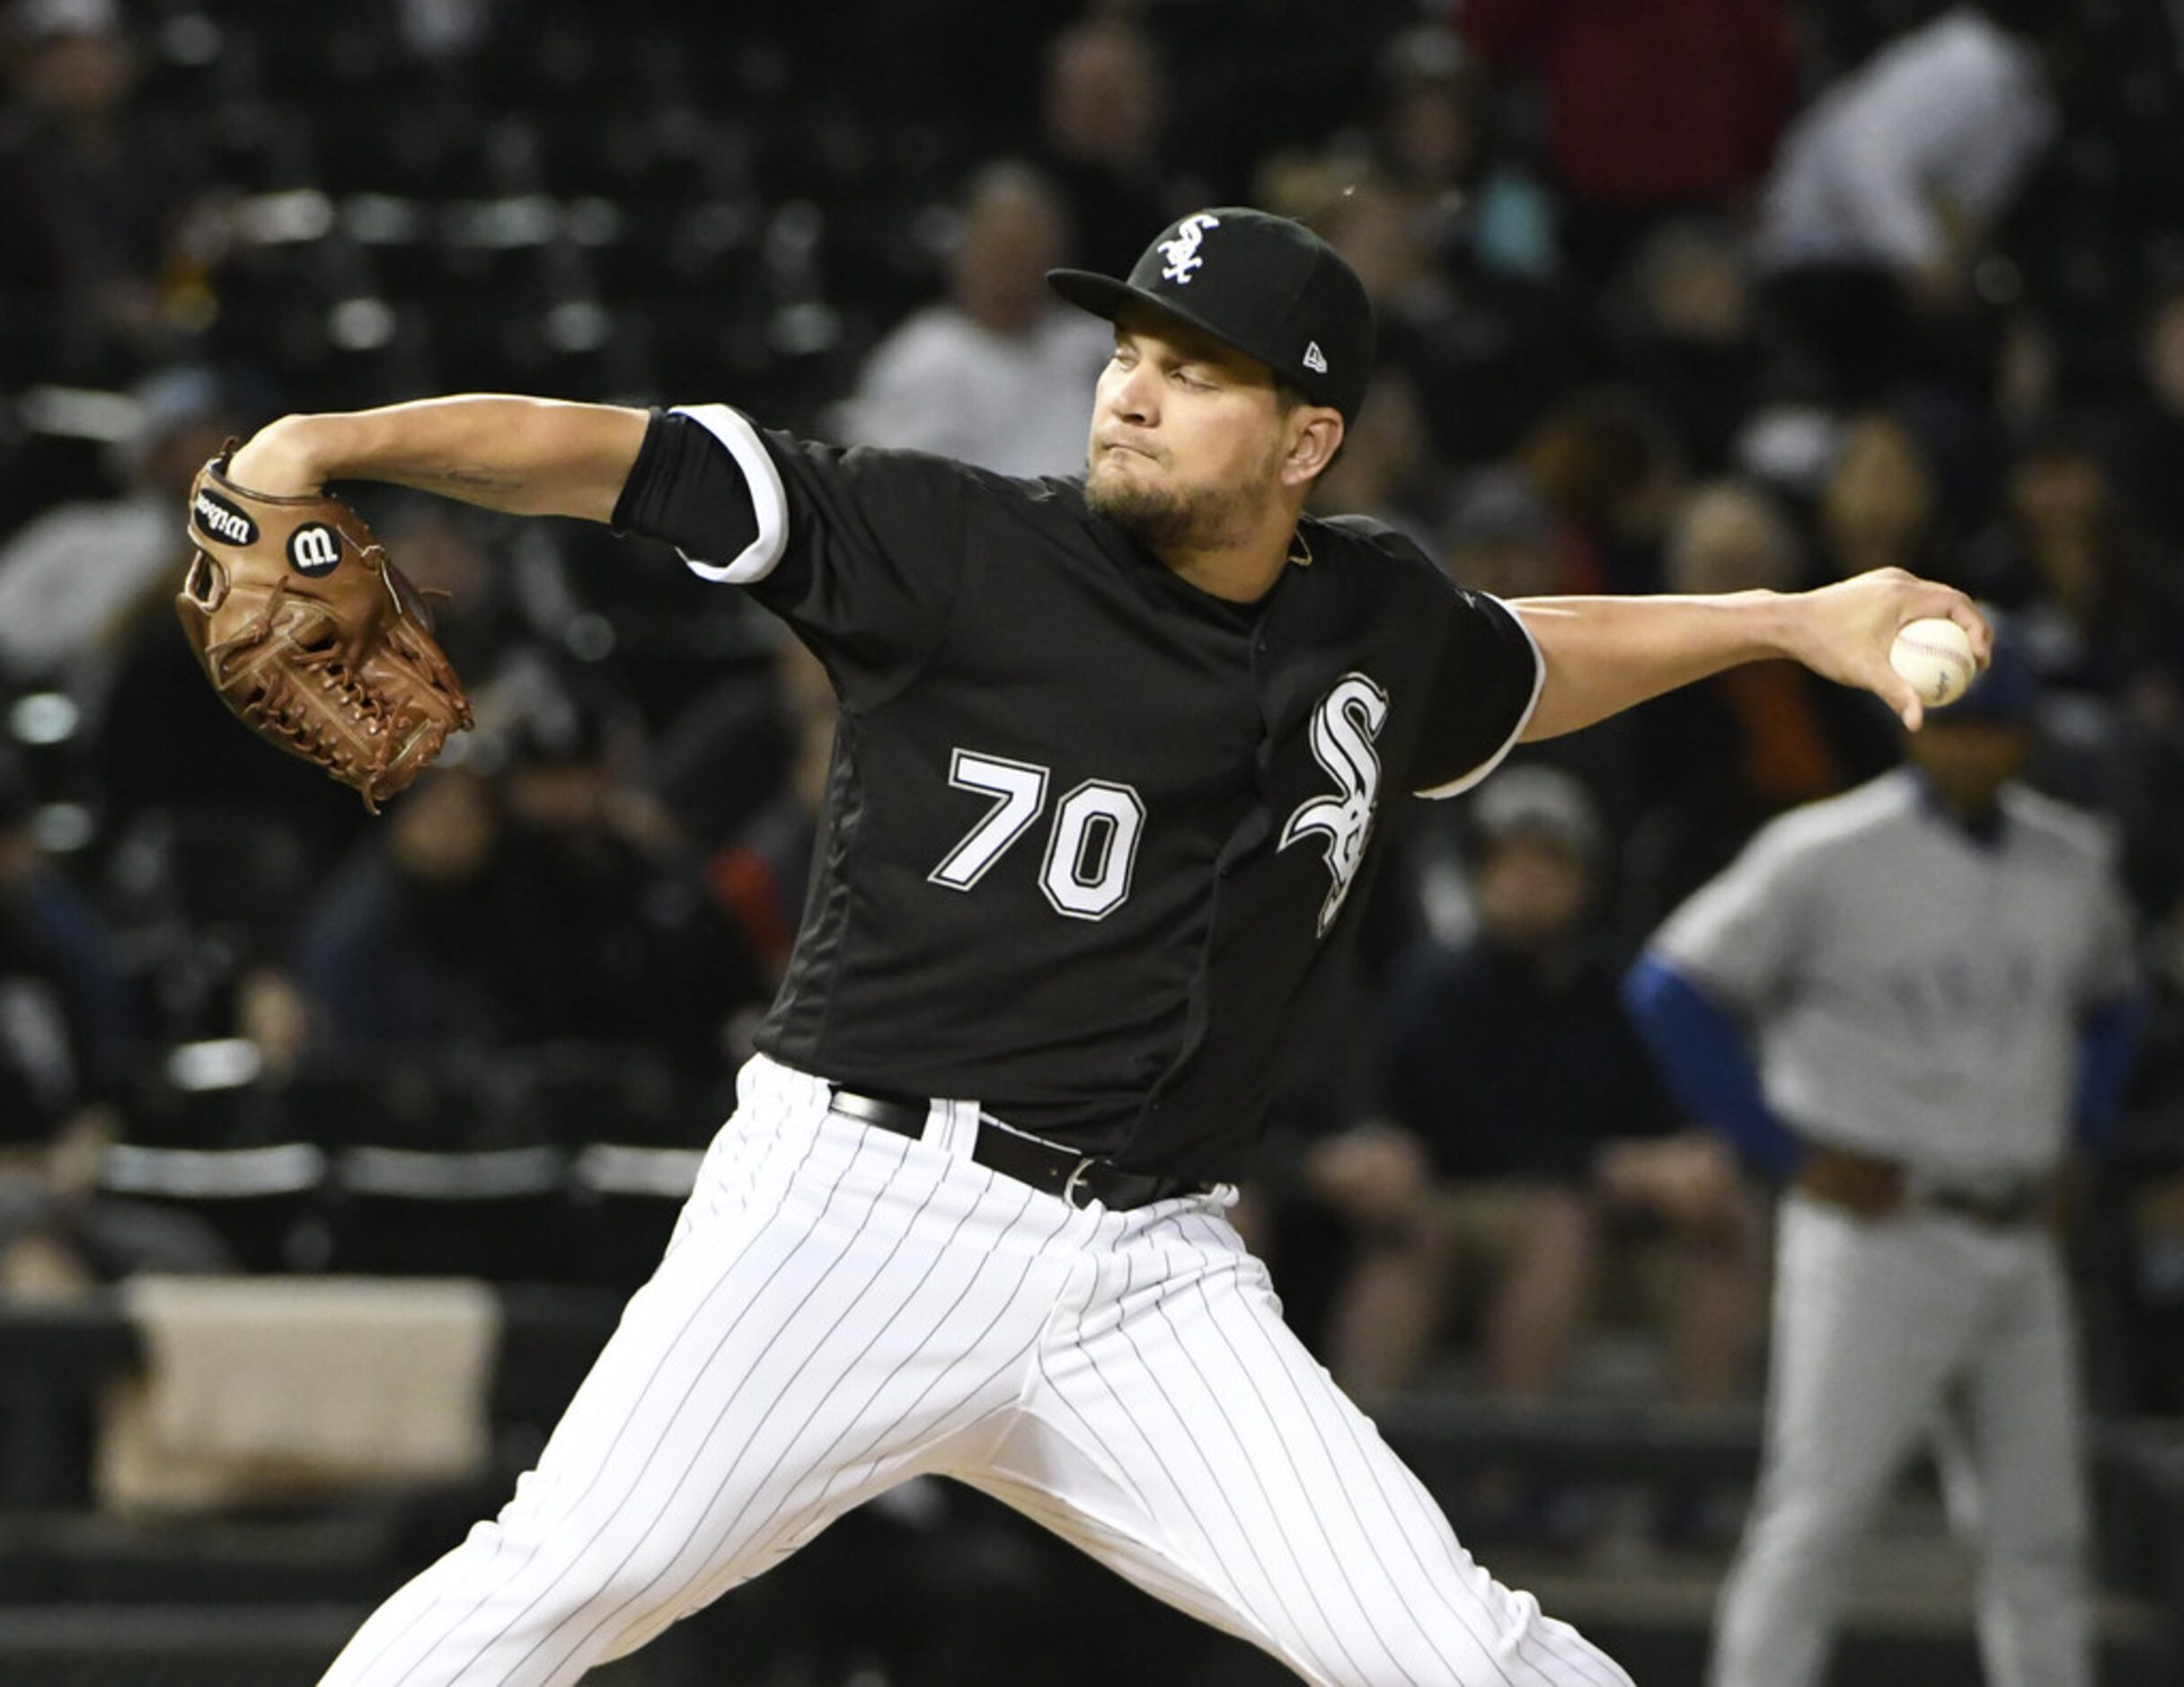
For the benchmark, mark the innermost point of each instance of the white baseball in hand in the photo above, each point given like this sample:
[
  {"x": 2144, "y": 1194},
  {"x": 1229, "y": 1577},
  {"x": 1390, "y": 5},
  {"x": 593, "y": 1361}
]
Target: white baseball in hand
[{"x": 1936, "y": 655}]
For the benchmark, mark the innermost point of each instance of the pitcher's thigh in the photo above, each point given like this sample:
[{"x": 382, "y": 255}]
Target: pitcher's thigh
[
  {"x": 737, "y": 1408},
  {"x": 1197, "y": 1448}
]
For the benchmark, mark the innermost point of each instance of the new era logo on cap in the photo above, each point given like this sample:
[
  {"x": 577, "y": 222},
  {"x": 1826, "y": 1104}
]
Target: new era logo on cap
[{"x": 1260, "y": 283}]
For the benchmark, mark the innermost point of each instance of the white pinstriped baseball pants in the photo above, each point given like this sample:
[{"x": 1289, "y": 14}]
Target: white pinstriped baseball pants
[{"x": 841, "y": 1309}]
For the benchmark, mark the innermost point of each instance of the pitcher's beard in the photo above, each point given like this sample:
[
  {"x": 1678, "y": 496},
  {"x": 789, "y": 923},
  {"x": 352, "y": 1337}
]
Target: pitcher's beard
[
  {"x": 1163, "y": 520},
  {"x": 1155, "y": 517}
]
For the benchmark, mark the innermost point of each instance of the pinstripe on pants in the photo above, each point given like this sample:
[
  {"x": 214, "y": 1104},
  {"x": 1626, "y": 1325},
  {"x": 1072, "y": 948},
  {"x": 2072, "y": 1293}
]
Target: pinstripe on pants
[{"x": 841, "y": 1309}]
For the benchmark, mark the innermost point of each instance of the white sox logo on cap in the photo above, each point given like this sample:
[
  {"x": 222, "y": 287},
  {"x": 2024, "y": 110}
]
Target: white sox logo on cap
[
  {"x": 1182, "y": 252},
  {"x": 1277, "y": 293},
  {"x": 315, "y": 549}
]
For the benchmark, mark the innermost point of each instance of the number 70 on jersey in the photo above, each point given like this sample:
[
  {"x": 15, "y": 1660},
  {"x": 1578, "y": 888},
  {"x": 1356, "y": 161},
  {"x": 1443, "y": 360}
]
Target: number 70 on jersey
[{"x": 1091, "y": 843}]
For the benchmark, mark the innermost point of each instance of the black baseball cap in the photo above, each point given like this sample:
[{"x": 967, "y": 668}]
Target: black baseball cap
[{"x": 1270, "y": 288}]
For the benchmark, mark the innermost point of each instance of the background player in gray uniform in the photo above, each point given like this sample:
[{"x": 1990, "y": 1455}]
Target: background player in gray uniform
[
  {"x": 1937, "y": 970},
  {"x": 1109, "y": 754}
]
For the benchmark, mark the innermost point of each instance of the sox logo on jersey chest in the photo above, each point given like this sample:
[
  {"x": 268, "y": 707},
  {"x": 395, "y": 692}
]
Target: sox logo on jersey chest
[{"x": 1344, "y": 725}]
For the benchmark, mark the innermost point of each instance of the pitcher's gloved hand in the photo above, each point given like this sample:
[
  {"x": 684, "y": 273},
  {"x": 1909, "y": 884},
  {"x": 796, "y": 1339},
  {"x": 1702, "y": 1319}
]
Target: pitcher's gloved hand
[{"x": 315, "y": 640}]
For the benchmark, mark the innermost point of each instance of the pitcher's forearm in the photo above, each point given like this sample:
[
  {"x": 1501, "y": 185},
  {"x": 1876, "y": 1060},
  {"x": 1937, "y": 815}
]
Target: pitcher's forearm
[
  {"x": 1605, "y": 654},
  {"x": 528, "y": 457}
]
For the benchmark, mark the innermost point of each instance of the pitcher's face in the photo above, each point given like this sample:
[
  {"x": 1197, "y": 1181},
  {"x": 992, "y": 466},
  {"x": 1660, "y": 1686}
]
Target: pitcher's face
[{"x": 1187, "y": 435}]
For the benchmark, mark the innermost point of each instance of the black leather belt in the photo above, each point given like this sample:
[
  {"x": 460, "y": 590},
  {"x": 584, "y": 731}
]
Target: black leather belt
[
  {"x": 2001, "y": 1209},
  {"x": 1045, "y": 1166}
]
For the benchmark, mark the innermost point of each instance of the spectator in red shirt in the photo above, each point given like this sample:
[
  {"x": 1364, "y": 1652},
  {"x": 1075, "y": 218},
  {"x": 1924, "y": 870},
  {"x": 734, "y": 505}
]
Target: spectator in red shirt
[{"x": 1671, "y": 106}]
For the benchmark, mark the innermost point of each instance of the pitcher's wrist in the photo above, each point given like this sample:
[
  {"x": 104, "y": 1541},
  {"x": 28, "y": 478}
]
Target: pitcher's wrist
[{"x": 284, "y": 459}]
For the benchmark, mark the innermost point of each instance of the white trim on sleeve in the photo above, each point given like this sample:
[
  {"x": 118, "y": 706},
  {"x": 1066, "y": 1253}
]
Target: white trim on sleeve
[
  {"x": 768, "y": 497},
  {"x": 1539, "y": 681}
]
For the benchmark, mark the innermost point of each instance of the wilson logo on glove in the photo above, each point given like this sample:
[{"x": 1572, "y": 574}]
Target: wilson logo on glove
[
  {"x": 336, "y": 665},
  {"x": 314, "y": 550},
  {"x": 216, "y": 519}
]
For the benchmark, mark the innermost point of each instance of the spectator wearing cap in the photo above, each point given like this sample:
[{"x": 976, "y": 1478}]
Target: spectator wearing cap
[
  {"x": 1495, "y": 532},
  {"x": 1520, "y": 1129},
  {"x": 1499, "y": 535}
]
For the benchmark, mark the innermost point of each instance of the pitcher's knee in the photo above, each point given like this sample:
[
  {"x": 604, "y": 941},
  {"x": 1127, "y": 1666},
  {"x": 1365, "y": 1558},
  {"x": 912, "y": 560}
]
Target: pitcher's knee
[
  {"x": 535, "y": 1604},
  {"x": 1501, "y": 1638}
]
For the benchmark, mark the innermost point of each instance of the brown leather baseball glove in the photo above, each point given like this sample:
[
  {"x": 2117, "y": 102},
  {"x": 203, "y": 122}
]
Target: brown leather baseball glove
[{"x": 312, "y": 637}]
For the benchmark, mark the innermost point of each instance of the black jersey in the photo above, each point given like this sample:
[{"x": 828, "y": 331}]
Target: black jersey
[{"x": 1093, "y": 836}]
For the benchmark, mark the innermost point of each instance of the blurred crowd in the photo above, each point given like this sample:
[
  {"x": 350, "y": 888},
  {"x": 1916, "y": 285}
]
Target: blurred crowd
[{"x": 1697, "y": 295}]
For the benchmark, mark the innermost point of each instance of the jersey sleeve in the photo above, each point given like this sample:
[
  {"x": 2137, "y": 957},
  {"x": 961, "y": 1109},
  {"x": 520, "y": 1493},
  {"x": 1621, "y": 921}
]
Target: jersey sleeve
[
  {"x": 860, "y": 551},
  {"x": 1738, "y": 935},
  {"x": 2111, "y": 973},
  {"x": 1486, "y": 682}
]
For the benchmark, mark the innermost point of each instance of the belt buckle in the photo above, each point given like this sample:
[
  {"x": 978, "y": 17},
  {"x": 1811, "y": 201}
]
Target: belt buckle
[{"x": 1071, "y": 1184}]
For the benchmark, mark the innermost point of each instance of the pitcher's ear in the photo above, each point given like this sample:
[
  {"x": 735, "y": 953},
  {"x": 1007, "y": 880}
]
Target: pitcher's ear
[{"x": 1317, "y": 437}]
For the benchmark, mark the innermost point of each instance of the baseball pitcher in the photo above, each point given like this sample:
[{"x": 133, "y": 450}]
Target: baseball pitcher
[{"x": 1101, "y": 820}]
